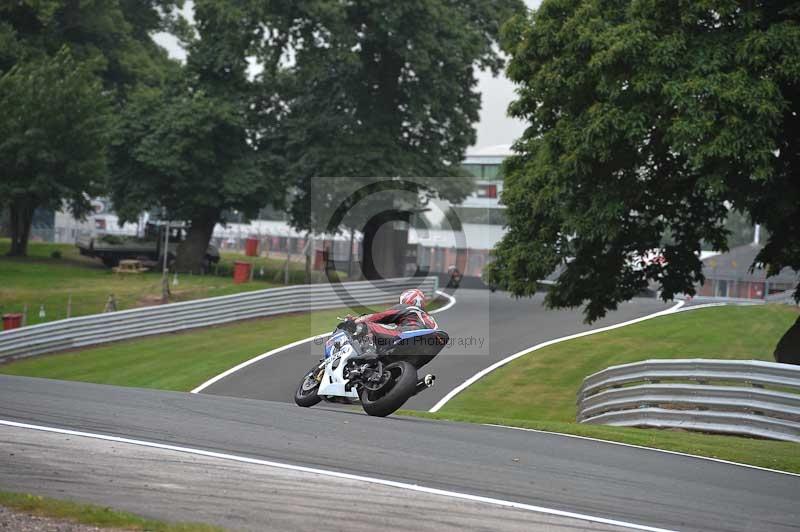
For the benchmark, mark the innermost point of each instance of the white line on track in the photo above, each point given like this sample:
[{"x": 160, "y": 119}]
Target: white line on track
[
  {"x": 338, "y": 474},
  {"x": 212, "y": 380},
  {"x": 448, "y": 305},
  {"x": 460, "y": 388},
  {"x": 676, "y": 308},
  {"x": 253, "y": 360},
  {"x": 727, "y": 462}
]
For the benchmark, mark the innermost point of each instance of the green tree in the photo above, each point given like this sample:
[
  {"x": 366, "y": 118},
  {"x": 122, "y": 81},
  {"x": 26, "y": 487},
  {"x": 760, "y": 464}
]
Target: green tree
[
  {"x": 202, "y": 144},
  {"x": 114, "y": 36},
  {"x": 54, "y": 122},
  {"x": 108, "y": 42},
  {"x": 647, "y": 118},
  {"x": 386, "y": 88}
]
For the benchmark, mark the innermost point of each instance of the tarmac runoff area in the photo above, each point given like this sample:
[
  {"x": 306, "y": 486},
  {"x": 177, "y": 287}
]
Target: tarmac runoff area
[{"x": 176, "y": 486}]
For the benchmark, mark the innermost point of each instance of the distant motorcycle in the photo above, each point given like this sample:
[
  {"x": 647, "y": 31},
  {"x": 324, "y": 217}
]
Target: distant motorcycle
[
  {"x": 455, "y": 276},
  {"x": 381, "y": 377}
]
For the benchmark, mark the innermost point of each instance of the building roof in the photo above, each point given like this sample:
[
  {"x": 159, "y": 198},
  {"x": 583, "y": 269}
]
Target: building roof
[
  {"x": 735, "y": 264},
  {"x": 498, "y": 150},
  {"x": 488, "y": 154},
  {"x": 472, "y": 236}
]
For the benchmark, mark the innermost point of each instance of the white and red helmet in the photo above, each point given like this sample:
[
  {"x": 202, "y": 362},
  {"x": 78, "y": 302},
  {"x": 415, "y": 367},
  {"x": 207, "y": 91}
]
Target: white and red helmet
[{"x": 413, "y": 297}]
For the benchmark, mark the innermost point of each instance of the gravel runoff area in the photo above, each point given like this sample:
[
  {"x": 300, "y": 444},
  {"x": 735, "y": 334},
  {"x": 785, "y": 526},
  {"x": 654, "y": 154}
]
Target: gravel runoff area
[{"x": 26, "y": 522}]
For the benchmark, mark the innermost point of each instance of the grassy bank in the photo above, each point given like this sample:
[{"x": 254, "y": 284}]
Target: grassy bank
[
  {"x": 54, "y": 274},
  {"x": 539, "y": 390},
  {"x": 543, "y": 384},
  {"x": 88, "y": 514},
  {"x": 42, "y": 280},
  {"x": 180, "y": 361}
]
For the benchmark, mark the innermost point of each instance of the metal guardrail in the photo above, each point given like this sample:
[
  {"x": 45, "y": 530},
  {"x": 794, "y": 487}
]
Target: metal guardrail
[
  {"x": 787, "y": 296},
  {"x": 97, "y": 329},
  {"x": 745, "y": 397}
]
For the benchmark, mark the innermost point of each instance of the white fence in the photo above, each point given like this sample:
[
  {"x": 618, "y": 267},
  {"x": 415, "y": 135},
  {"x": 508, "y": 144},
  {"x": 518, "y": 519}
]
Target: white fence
[
  {"x": 745, "y": 397},
  {"x": 102, "y": 328}
]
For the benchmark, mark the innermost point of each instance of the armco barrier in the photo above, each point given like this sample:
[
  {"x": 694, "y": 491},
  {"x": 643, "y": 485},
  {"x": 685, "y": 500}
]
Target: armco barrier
[
  {"x": 102, "y": 328},
  {"x": 746, "y": 397}
]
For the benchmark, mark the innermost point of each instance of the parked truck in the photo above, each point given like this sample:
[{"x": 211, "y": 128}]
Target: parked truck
[{"x": 113, "y": 248}]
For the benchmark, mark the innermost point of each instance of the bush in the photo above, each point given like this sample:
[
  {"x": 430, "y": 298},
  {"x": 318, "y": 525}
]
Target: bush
[
  {"x": 113, "y": 240},
  {"x": 223, "y": 269},
  {"x": 55, "y": 254}
]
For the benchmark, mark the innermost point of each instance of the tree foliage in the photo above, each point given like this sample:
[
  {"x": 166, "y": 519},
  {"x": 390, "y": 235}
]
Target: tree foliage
[
  {"x": 54, "y": 122},
  {"x": 646, "y": 118},
  {"x": 199, "y": 146},
  {"x": 386, "y": 88},
  {"x": 114, "y": 36},
  {"x": 53, "y": 148}
]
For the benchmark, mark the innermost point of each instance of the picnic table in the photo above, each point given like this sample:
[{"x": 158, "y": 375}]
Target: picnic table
[{"x": 130, "y": 266}]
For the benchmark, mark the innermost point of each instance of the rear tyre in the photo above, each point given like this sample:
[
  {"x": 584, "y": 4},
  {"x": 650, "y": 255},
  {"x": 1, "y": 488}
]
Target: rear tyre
[
  {"x": 401, "y": 385},
  {"x": 306, "y": 393}
]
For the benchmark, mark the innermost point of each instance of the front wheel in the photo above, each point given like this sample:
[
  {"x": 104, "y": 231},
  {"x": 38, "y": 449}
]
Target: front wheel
[
  {"x": 306, "y": 393},
  {"x": 400, "y": 383}
]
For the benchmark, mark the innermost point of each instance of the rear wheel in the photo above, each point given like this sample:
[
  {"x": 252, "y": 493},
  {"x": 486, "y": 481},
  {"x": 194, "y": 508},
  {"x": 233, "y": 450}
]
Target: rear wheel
[
  {"x": 400, "y": 383},
  {"x": 306, "y": 393}
]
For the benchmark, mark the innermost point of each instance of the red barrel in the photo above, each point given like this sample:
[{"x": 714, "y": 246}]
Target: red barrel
[
  {"x": 12, "y": 321},
  {"x": 241, "y": 272},
  {"x": 251, "y": 247},
  {"x": 320, "y": 256}
]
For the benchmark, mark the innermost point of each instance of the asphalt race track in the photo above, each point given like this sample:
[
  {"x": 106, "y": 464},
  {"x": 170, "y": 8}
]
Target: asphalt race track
[
  {"x": 256, "y": 484},
  {"x": 604, "y": 480},
  {"x": 484, "y": 327},
  {"x": 172, "y": 485}
]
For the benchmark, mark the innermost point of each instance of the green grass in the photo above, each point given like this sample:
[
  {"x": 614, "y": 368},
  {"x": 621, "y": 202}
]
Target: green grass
[
  {"x": 538, "y": 390},
  {"x": 39, "y": 280},
  {"x": 180, "y": 361},
  {"x": 274, "y": 268},
  {"x": 93, "y": 515},
  {"x": 543, "y": 384}
]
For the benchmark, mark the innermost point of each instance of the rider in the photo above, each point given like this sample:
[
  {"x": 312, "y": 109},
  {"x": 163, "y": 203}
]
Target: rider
[{"x": 408, "y": 315}]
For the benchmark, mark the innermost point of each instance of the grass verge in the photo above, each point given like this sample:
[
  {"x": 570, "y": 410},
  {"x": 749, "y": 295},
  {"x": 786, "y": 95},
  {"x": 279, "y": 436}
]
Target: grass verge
[
  {"x": 538, "y": 390},
  {"x": 42, "y": 281},
  {"x": 88, "y": 514},
  {"x": 180, "y": 361}
]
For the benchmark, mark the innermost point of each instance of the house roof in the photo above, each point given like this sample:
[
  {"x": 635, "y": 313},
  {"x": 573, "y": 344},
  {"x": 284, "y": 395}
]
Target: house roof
[
  {"x": 735, "y": 264},
  {"x": 498, "y": 150},
  {"x": 472, "y": 236}
]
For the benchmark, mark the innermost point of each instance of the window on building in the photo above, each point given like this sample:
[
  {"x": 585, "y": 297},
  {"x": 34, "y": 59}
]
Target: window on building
[
  {"x": 484, "y": 172},
  {"x": 474, "y": 169},
  {"x": 491, "y": 172},
  {"x": 476, "y": 215}
]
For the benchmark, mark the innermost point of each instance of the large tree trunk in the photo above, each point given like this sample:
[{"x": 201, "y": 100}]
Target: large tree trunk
[
  {"x": 788, "y": 349},
  {"x": 384, "y": 246},
  {"x": 192, "y": 251},
  {"x": 21, "y": 216},
  {"x": 5, "y": 222}
]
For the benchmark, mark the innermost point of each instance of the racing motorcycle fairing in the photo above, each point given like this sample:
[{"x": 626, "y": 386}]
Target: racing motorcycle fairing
[
  {"x": 419, "y": 346},
  {"x": 338, "y": 349}
]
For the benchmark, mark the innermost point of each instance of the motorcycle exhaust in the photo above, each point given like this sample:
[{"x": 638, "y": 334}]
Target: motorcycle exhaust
[{"x": 425, "y": 383}]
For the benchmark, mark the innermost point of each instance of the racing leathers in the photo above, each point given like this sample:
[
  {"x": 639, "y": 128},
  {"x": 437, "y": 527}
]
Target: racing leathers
[{"x": 386, "y": 326}]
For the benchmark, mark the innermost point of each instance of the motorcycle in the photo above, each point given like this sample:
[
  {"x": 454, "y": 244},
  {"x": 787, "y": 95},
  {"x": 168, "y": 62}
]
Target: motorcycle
[{"x": 357, "y": 367}]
